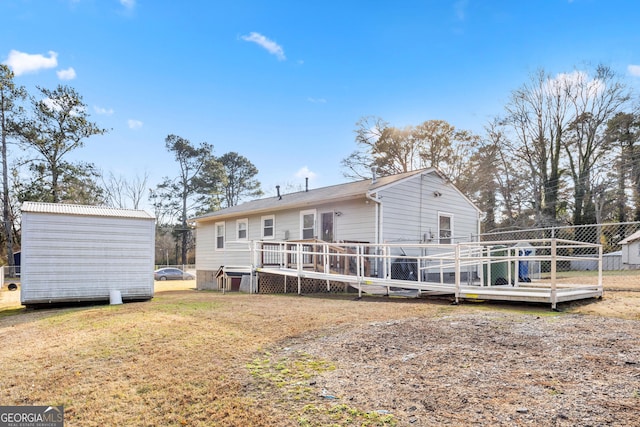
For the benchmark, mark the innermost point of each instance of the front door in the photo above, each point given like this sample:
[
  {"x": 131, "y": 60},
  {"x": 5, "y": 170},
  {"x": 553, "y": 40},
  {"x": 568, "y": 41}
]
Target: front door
[{"x": 327, "y": 226}]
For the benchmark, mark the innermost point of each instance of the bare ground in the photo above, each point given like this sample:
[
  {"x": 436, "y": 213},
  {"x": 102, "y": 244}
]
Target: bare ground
[{"x": 202, "y": 358}]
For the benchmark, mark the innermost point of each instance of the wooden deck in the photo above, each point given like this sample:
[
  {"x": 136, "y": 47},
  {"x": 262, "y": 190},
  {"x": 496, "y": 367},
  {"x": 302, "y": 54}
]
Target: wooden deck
[
  {"x": 538, "y": 292},
  {"x": 469, "y": 264}
]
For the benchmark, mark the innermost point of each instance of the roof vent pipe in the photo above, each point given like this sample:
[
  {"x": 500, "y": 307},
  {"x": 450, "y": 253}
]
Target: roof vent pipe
[
  {"x": 306, "y": 184},
  {"x": 278, "y": 191},
  {"x": 374, "y": 177}
]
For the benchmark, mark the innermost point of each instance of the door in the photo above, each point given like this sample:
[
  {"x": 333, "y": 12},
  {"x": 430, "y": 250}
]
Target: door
[{"x": 327, "y": 227}]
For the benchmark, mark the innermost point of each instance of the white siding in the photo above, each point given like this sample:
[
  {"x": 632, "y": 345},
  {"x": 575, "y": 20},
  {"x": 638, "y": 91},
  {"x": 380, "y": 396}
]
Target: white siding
[
  {"x": 631, "y": 253},
  {"x": 410, "y": 211},
  {"x": 355, "y": 223},
  {"x": 67, "y": 258}
]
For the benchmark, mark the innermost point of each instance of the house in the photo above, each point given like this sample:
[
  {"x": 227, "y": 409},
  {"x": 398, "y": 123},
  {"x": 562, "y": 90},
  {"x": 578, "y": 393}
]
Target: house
[
  {"x": 76, "y": 253},
  {"x": 420, "y": 206},
  {"x": 631, "y": 251}
]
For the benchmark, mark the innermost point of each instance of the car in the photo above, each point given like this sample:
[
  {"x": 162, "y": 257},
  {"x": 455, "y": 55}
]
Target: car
[{"x": 172, "y": 274}]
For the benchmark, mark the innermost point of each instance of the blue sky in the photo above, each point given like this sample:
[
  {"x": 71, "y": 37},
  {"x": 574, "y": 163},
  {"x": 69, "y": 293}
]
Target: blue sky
[{"x": 284, "y": 82}]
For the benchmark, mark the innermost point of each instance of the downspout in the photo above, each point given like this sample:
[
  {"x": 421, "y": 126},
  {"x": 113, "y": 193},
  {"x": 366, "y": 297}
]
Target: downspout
[
  {"x": 378, "y": 228},
  {"x": 378, "y": 216}
]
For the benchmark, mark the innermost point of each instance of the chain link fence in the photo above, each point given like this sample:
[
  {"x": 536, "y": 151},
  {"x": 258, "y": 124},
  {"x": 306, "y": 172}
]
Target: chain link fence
[{"x": 620, "y": 244}]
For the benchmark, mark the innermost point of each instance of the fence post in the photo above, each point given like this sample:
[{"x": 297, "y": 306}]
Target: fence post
[
  {"x": 600, "y": 288},
  {"x": 457, "y": 267},
  {"x": 554, "y": 261}
]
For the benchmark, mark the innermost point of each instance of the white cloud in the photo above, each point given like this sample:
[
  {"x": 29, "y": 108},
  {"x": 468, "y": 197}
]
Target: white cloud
[
  {"x": 304, "y": 172},
  {"x": 103, "y": 111},
  {"x": 317, "y": 100},
  {"x": 460, "y": 8},
  {"x": 271, "y": 46},
  {"x": 134, "y": 124},
  {"x": 59, "y": 105},
  {"x": 574, "y": 83},
  {"x": 21, "y": 62},
  {"x": 634, "y": 70},
  {"x": 128, "y": 4},
  {"x": 68, "y": 74}
]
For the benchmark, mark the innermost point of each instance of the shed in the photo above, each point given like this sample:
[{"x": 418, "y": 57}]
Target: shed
[
  {"x": 77, "y": 253},
  {"x": 631, "y": 251}
]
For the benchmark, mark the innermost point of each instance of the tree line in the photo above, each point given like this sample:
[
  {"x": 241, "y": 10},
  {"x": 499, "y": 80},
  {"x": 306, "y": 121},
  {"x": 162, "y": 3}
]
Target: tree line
[
  {"x": 565, "y": 151},
  {"x": 46, "y": 127}
]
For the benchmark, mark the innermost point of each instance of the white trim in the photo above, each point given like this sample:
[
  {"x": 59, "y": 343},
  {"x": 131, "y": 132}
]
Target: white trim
[
  {"x": 315, "y": 221},
  {"x": 239, "y": 223},
  {"x": 273, "y": 227},
  {"x": 216, "y": 235},
  {"x": 451, "y": 217}
]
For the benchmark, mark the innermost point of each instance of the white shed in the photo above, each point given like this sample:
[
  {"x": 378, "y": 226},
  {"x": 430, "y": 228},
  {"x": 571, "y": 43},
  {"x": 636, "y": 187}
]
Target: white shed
[
  {"x": 76, "y": 253},
  {"x": 631, "y": 251}
]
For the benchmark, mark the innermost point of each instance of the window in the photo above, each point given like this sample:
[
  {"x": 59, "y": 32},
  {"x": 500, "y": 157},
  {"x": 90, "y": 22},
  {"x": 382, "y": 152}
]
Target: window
[
  {"x": 242, "y": 229},
  {"x": 445, "y": 228},
  {"x": 219, "y": 235},
  {"x": 268, "y": 227},
  {"x": 308, "y": 224}
]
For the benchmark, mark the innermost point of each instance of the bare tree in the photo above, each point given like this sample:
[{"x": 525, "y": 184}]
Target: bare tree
[
  {"x": 593, "y": 103},
  {"x": 434, "y": 143},
  {"x": 124, "y": 193},
  {"x": 537, "y": 120}
]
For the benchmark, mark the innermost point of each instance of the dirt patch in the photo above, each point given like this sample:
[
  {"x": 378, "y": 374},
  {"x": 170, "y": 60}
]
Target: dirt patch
[{"x": 483, "y": 368}]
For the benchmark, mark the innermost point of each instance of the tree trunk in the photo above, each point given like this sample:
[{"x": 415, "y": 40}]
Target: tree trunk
[{"x": 6, "y": 211}]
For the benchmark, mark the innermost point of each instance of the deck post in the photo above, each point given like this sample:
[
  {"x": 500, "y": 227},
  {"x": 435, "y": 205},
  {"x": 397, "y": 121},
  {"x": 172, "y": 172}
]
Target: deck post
[
  {"x": 554, "y": 261},
  {"x": 299, "y": 264},
  {"x": 327, "y": 264},
  {"x": 254, "y": 258},
  {"x": 385, "y": 258},
  {"x": 457, "y": 267}
]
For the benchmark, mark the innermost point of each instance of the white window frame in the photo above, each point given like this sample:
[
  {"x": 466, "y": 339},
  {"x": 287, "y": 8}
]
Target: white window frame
[
  {"x": 217, "y": 236},
  {"x": 440, "y": 238},
  {"x": 263, "y": 227},
  {"x": 240, "y": 222},
  {"x": 315, "y": 221}
]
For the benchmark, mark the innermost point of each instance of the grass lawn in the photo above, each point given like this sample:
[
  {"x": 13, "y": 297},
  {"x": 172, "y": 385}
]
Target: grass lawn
[
  {"x": 185, "y": 357},
  {"x": 182, "y": 358}
]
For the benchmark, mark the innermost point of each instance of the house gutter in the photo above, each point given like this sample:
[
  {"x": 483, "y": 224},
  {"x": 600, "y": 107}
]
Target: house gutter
[{"x": 378, "y": 215}]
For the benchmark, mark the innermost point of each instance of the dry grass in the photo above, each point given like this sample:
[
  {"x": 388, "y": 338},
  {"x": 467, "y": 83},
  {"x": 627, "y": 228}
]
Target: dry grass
[{"x": 197, "y": 358}]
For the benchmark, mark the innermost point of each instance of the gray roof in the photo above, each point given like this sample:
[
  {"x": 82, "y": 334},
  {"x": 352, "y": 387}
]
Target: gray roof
[
  {"x": 630, "y": 239},
  {"x": 83, "y": 210},
  {"x": 313, "y": 197}
]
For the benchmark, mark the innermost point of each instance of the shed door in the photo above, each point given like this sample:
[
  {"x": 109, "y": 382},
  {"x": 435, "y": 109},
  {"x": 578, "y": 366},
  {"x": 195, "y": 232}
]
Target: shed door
[{"x": 327, "y": 226}]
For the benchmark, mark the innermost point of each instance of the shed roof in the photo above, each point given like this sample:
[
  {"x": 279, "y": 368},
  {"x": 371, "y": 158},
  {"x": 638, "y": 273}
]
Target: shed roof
[
  {"x": 629, "y": 239},
  {"x": 310, "y": 198},
  {"x": 84, "y": 210}
]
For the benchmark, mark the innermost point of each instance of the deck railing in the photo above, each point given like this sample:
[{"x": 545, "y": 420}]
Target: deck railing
[{"x": 417, "y": 266}]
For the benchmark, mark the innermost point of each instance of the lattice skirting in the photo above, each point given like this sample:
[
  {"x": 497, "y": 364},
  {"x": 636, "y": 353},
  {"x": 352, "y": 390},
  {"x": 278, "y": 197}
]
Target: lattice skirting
[{"x": 275, "y": 284}]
